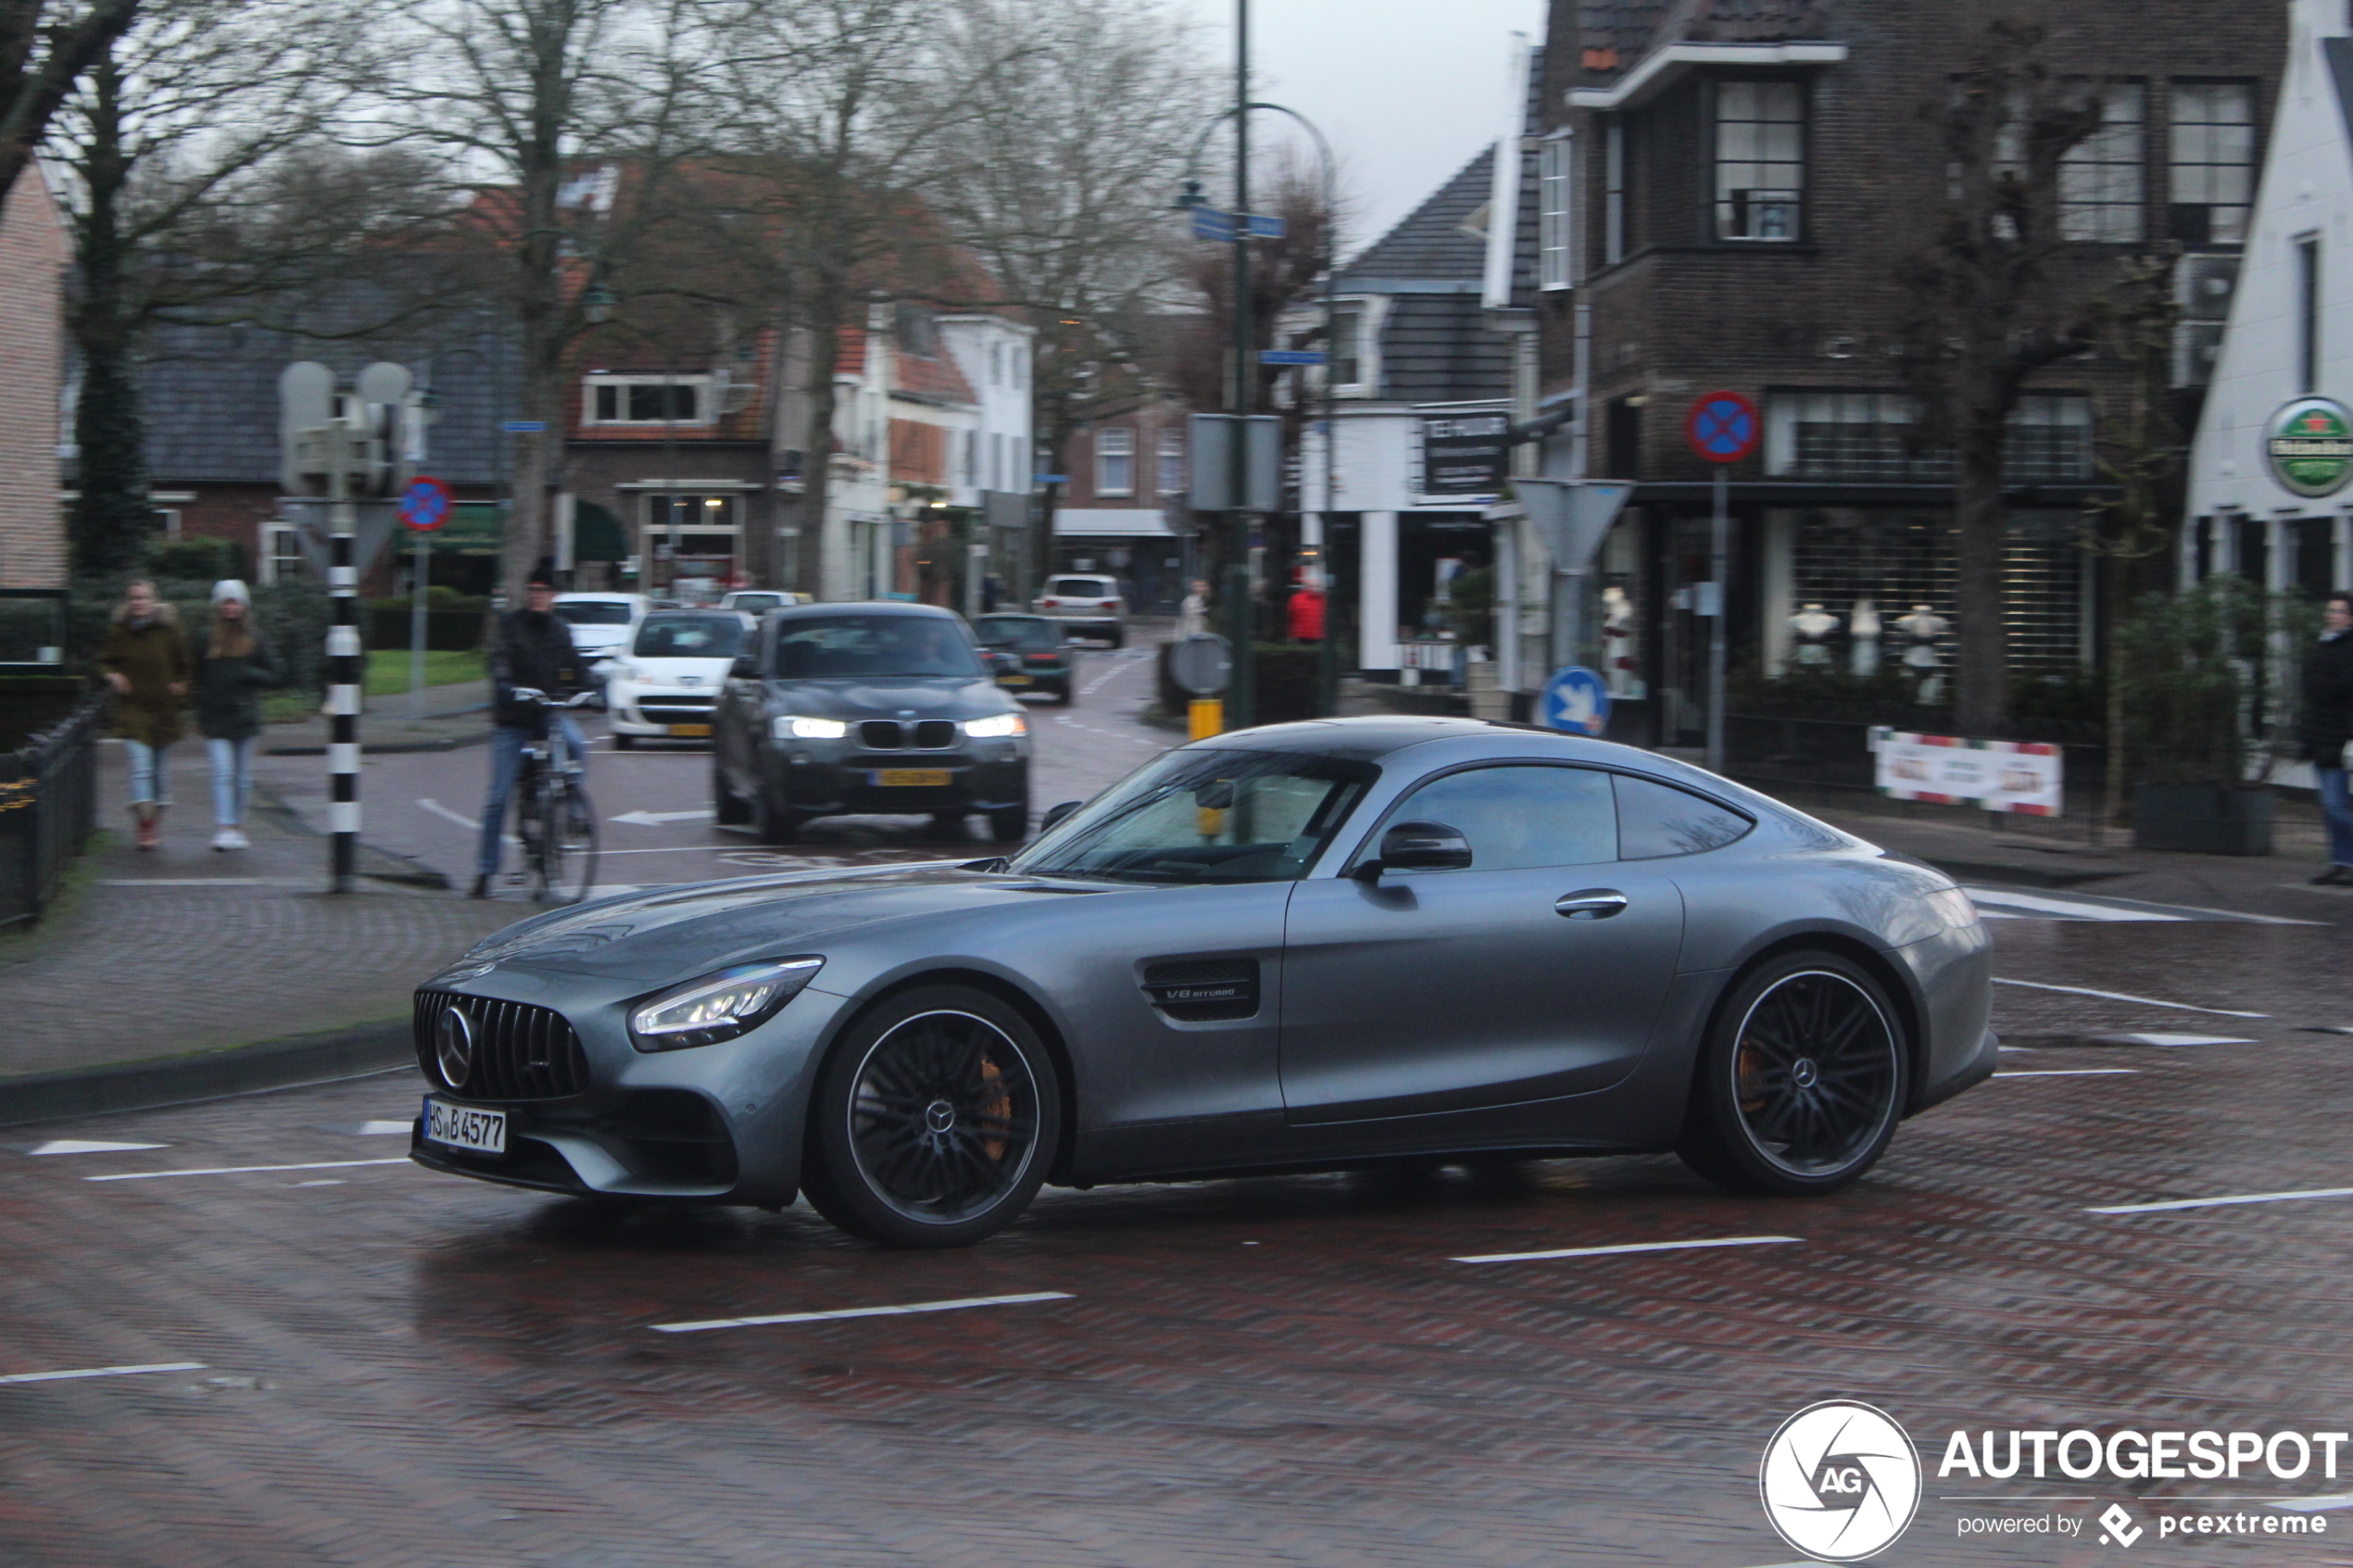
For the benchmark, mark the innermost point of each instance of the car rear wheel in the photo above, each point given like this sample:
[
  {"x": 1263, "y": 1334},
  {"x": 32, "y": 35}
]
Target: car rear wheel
[
  {"x": 936, "y": 1120},
  {"x": 1063, "y": 695},
  {"x": 1802, "y": 1080}
]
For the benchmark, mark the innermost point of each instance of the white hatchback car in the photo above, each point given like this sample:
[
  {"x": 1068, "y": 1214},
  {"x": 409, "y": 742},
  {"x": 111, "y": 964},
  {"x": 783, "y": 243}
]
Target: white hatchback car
[
  {"x": 757, "y": 602},
  {"x": 1087, "y": 606},
  {"x": 668, "y": 681},
  {"x": 601, "y": 623}
]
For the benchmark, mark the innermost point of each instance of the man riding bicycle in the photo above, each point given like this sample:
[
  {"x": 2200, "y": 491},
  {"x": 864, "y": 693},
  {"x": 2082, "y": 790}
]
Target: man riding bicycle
[{"x": 534, "y": 651}]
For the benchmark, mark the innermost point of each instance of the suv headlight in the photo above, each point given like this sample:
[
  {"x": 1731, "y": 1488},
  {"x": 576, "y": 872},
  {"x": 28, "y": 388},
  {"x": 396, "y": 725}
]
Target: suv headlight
[
  {"x": 718, "y": 1007},
  {"x": 997, "y": 726},
  {"x": 789, "y": 726}
]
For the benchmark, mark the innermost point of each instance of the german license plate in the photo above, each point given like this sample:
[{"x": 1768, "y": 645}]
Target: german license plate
[
  {"x": 1012, "y": 680},
  {"x": 457, "y": 1126},
  {"x": 911, "y": 778},
  {"x": 690, "y": 729}
]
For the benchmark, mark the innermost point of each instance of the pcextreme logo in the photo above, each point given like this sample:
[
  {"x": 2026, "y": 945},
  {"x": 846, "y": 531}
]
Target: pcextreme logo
[{"x": 1840, "y": 1481}]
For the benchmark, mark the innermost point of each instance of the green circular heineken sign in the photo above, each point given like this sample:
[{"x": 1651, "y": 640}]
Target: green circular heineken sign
[{"x": 2310, "y": 445}]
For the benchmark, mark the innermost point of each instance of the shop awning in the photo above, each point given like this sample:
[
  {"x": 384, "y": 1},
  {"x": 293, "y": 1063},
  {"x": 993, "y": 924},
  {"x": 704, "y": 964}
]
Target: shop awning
[{"x": 1112, "y": 522}]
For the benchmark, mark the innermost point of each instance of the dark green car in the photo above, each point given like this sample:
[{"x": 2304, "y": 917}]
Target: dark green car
[{"x": 1038, "y": 641}]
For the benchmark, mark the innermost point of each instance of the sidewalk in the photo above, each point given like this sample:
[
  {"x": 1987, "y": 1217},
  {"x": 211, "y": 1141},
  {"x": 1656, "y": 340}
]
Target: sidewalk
[
  {"x": 454, "y": 716},
  {"x": 182, "y": 949}
]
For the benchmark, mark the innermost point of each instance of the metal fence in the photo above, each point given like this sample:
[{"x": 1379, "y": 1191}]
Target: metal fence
[{"x": 48, "y": 806}]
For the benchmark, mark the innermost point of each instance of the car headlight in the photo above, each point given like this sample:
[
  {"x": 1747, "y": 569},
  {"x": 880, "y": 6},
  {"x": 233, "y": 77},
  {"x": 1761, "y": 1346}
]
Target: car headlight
[
  {"x": 789, "y": 726},
  {"x": 1955, "y": 906},
  {"x": 996, "y": 727},
  {"x": 718, "y": 1007}
]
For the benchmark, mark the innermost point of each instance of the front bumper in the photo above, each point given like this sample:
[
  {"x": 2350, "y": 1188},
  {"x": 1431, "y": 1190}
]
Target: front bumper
[
  {"x": 978, "y": 776},
  {"x": 651, "y": 710},
  {"x": 718, "y": 1124}
]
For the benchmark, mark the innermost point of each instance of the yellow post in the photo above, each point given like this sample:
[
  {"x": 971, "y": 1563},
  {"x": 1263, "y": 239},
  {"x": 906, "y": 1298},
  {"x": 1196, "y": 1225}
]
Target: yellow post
[{"x": 1208, "y": 717}]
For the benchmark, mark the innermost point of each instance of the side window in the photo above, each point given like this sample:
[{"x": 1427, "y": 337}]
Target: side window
[
  {"x": 1656, "y": 819},
  {"x": 1521, "y": 817}
]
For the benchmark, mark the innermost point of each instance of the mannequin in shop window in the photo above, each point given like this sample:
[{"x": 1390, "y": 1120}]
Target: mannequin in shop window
[
  {"x": 1921, "y": 630},
  {"x": 1617, "y": 641},
  {"x": 1814, "y": 627},
  {"x": 1863, "y": 627}
]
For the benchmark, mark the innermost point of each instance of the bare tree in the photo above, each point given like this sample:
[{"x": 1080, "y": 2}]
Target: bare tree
[
  {"x": 541, "y": 111},
  {"x": 44, "y": 49},
  {"x": 1999, "y": 294},
  {"x": 168, "y": 149}
]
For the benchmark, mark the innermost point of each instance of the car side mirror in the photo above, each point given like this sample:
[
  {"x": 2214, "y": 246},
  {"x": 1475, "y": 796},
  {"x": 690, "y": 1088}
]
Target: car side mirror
[
  {"x": 745, "y": 668},
  {"x": 1054, "y": 815},
  {"x": 1417, "y": 846}
]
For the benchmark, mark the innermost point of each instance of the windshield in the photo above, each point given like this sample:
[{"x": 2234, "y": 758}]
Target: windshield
[
  {"x": 849, "y": 647},
  {"x": 1081, "y": 588},
  {"x": 1018, "y": 632},
  {"x": 593, "y": 612},
  {"x": 691, "y": 637},
  {"x": 755, "y": 604},
  {"x": 1207, "y": 816}
]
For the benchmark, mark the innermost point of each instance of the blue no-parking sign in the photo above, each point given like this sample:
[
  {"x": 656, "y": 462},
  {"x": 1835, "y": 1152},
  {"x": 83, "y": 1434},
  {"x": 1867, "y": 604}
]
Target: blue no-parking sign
[
  {"x": 1576, "y": 702},
  {"x": 424, "y": 506}
]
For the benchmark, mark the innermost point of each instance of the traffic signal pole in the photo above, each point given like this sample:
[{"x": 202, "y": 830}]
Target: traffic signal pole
[
  {"x": 343, "y": 669},
  {"x": 1241, "y": 692}
]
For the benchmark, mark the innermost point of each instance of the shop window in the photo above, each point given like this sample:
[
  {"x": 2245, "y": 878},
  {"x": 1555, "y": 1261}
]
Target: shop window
[
  {"x": 647, "y": 400},
  {"x": 2212, "y": 162},
  {"x": 1760, "y": 160},
  {"x": 1871, "y": 436}
]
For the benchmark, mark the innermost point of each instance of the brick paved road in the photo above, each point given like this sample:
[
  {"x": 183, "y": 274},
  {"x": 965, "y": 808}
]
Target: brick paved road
[{"x": 402, "y": 1368}]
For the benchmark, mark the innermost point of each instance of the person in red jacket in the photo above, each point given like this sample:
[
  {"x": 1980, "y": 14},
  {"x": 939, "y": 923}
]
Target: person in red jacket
[{"x": 1305, "y": 614}]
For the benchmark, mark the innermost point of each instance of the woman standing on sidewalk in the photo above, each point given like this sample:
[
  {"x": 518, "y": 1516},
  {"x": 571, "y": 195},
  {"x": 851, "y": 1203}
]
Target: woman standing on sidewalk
[
  {"x": 233, "y": 665},
  {"x": 144, "y": 659}
]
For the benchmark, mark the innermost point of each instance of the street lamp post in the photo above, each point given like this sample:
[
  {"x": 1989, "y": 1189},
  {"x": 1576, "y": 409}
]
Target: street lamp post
[{"x": 1241, "y": 691}]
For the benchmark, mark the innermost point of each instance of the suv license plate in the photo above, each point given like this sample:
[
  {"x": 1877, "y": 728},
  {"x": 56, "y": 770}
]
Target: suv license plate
[
  {"x": 912, "y": 778},
  {"x": 456, "y": 1126},
  {"x": 690, "y": 730}
]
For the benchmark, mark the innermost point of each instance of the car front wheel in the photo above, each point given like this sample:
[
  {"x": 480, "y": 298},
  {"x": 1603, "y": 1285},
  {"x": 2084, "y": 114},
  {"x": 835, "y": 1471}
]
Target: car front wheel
[
  {"x": 727, "y": 808},
  {"x": 1802, "y": 1080},
  {"x": 936, "y": 1120}
]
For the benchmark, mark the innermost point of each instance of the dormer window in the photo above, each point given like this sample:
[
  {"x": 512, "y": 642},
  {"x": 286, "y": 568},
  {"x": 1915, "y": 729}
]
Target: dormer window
[
  {"x": 647, "y": 400},
  {"x": 1760, "y": 160}
]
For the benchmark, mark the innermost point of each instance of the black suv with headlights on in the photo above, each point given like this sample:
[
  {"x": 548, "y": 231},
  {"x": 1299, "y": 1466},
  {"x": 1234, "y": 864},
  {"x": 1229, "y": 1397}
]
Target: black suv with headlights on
[{"x": 843, "y": 708}]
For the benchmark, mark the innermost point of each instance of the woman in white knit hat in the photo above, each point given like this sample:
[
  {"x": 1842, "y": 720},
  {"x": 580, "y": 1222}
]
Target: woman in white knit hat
[{"x": 233, "y": 665}]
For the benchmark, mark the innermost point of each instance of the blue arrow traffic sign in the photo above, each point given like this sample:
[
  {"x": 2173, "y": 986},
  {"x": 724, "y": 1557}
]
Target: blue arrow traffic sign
[{"x": 1576, "y": 702}]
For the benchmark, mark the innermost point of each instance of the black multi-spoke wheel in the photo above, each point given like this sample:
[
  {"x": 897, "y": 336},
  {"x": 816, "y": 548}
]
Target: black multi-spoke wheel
[
  {"x": 1801, "y": 1081},
  {"x": 936, "y": 1120}
]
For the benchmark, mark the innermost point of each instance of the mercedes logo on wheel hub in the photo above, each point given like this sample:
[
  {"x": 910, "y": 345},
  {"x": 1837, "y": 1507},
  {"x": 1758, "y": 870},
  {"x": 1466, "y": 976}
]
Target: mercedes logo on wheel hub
[{"x": 1804, "y": 1073}]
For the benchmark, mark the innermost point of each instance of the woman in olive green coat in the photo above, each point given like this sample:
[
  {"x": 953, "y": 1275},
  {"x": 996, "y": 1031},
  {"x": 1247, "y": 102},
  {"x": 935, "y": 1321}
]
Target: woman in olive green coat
[{"x": 145, "y": 659}]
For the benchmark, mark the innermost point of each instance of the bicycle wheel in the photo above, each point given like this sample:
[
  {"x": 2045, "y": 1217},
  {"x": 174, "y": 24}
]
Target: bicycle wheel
[
  {"x": 530, "y": 835},
  {"x": 568, "y": 861}
]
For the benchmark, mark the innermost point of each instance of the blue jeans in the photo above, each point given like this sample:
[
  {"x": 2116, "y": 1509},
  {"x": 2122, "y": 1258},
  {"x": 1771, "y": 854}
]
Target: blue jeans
[
  {"x": 232, "y": 778},
  {"x": 150, "y": 779},
  {"x": 506, "y": 765},
  {"x": 2338, "y": 809}
]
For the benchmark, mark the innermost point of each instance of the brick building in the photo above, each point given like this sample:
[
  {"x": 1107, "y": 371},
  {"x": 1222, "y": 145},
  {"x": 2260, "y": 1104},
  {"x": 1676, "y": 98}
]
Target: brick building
[
  {"x": 1726, "y": 191},
  {"x": 34, "y": 256},
  {"x": 1123, "y": 510}
]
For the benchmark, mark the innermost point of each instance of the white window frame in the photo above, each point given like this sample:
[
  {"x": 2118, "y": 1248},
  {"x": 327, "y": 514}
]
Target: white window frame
[
  {"x": 706, "y": 404},
  {"x": 1764, "y": 153},
  {"x": 1614, "y": 192},
  {"x": 2208, "y": 156},
  {"x": 2103, "y": 179},
  {"x": 1555, "y": 254},
  {"x": 1115, "y": 443},
  {"x": 1370, "y": 311},
  {"x": 1171, "y": 458},
  {"x": 271, "y": 558}
]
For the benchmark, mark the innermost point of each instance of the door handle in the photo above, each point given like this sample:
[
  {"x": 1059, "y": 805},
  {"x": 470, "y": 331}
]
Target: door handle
[{"x": 1591, "y": 903}]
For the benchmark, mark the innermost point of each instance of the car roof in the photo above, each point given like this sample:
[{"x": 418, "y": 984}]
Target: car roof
[
  {"x": 1372, "y": 737},
  {"x": 1014, "y": 615},
  {"x": 861, "y": 606},
  {"x": 1083, "y": 577},
  {"x": 602, "y": 598}
]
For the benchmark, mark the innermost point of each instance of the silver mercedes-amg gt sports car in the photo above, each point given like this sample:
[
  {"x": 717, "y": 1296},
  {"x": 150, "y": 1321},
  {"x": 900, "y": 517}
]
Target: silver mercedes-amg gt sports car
[{"x": 1309, "y": 945}]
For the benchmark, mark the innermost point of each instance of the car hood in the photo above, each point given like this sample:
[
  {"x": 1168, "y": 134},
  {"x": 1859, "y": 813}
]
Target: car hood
[
  {"x": 601, "y": 638},
  {"x": 905, "y": 697},
  {"x": 678, "y": 933},
  {"x": 707, "y": 673}
]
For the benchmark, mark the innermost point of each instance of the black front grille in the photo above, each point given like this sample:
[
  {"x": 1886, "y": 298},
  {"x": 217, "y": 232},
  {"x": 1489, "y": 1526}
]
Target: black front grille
[
  {"x": 880, "y": 735},
  {"x": 521, "y": 1051},
  {"x": 1204, "y": 991},
  {"x": 935, "y": 734}
]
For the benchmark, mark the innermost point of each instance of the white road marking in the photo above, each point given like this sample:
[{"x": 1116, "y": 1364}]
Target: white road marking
[
  {"x": 88, "y": 1145},
  {"x": 2038, "y": 903},
  {"x": 207, "y": 882},
  {"x": 1628, "y": 1247},
  {"x": 1154, "y": 742},
  {"x": 2126, "y": 996},
  {"x": 2160, "y": 1039},
  {"x": 101, "y": 1372},
  {"x": 323, "y": 1182},
  {"x": 241, "y": 1170},
  {"x": 2223, "y": 1202},
  {"x": 865, "y": 1312},
  {"x": 386, "y": 1129},
  {"x": 2070, "y": 1072},
  {"x": 662, "y": 819},
  {"x": 471, "y": 824}
]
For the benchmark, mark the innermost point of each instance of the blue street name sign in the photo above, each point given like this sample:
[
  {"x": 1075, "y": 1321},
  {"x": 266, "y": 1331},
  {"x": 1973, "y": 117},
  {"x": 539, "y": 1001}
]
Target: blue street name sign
[
  {"x": 1211, "y": 224},
  {"x": 523, "y": 427},
  {"x": 1292, "y": 356},
  {"x": 1576, "y": 702}
]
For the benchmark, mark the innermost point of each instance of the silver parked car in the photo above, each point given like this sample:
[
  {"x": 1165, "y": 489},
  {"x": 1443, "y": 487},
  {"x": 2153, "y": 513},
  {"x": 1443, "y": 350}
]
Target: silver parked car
[
  {"x": 1315, "y": 945},
  {"x": 1087, "y": 606}
]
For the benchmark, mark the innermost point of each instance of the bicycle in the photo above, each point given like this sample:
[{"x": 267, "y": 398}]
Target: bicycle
[{"x": 554, "y": 819}]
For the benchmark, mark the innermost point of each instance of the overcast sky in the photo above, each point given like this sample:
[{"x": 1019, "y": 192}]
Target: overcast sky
[{"x": 1407, "y": 90}]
